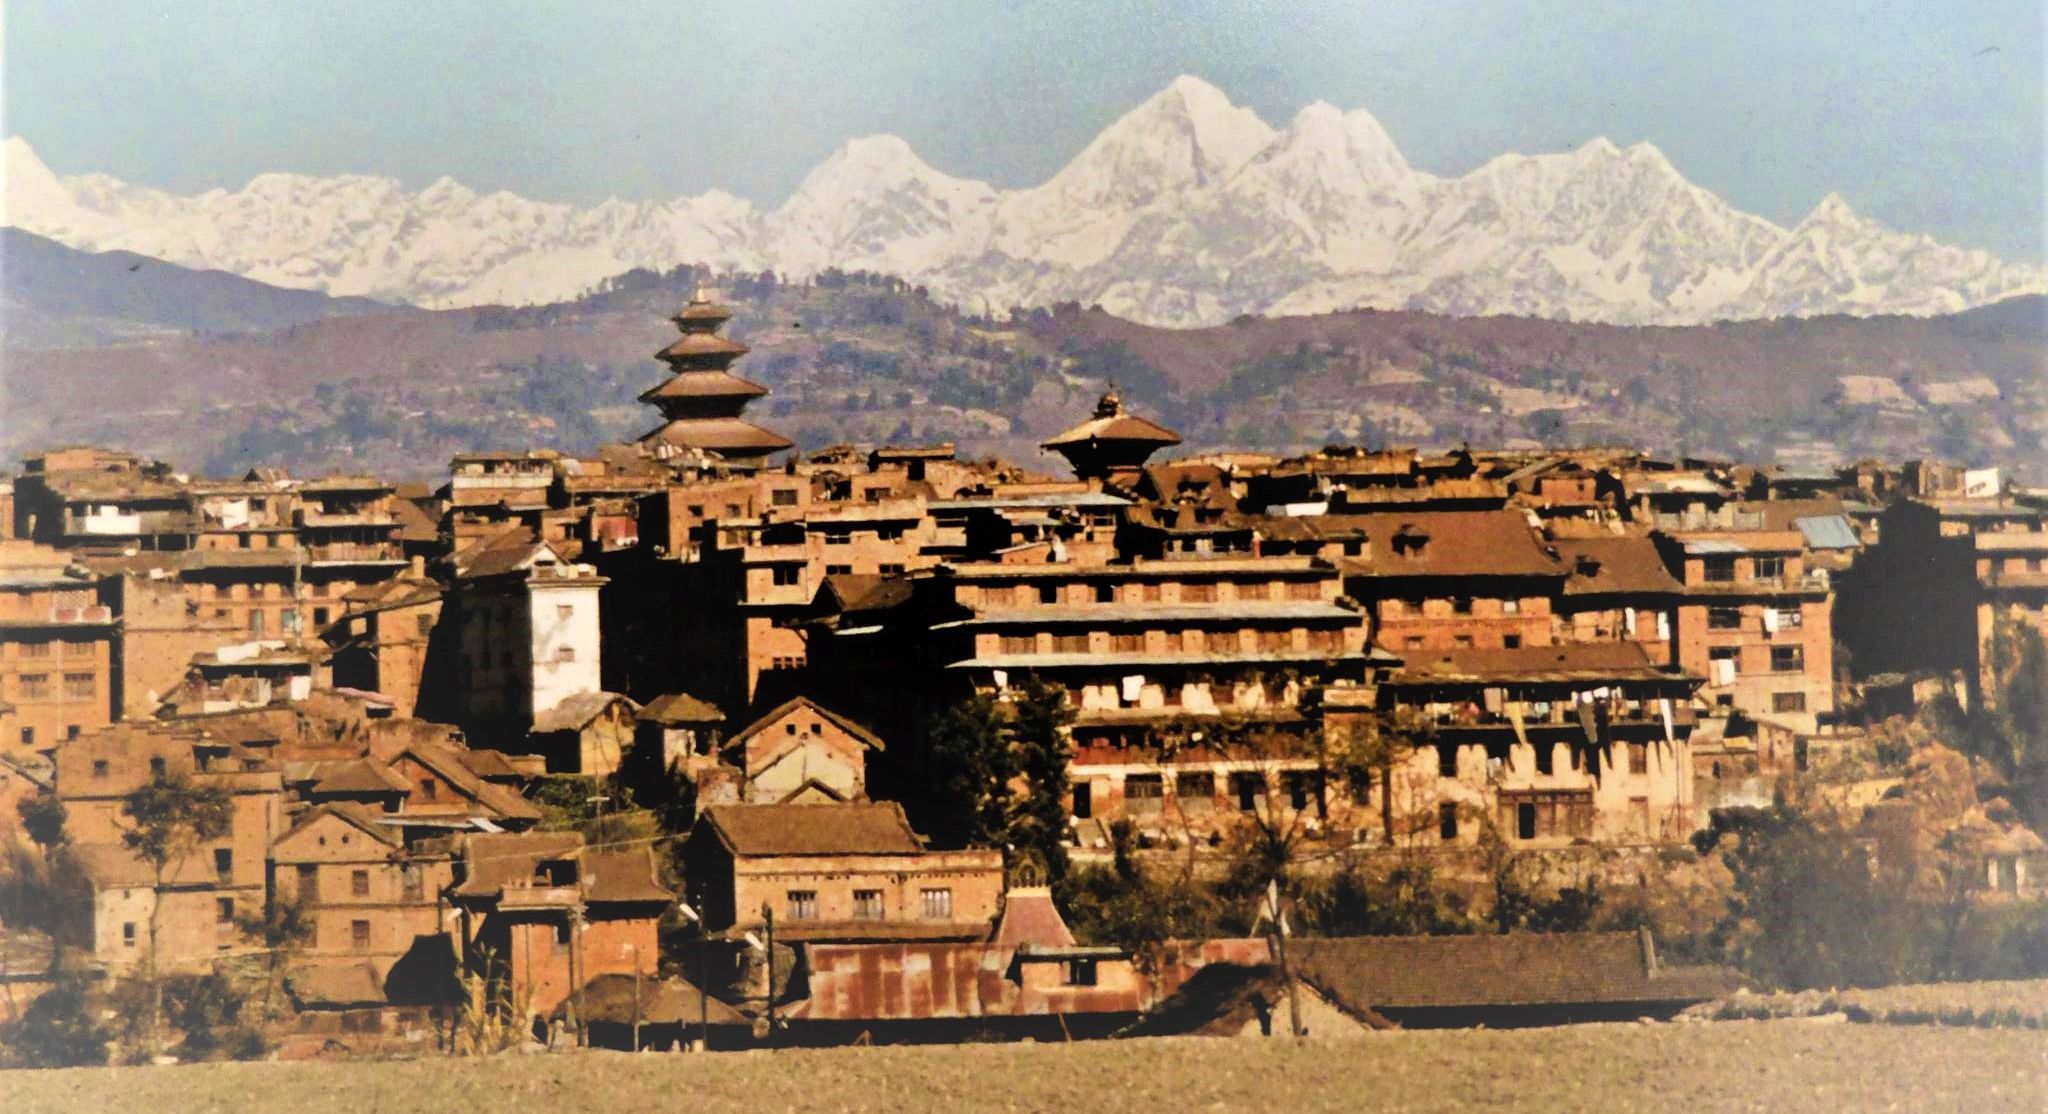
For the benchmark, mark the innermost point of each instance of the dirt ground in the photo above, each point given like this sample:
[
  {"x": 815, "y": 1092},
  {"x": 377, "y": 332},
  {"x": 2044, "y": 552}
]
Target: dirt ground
[{"x": 1758, "y": 1065}]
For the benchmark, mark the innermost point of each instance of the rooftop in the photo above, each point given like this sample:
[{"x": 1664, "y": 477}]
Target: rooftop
[{"x": 864, "y": 828}]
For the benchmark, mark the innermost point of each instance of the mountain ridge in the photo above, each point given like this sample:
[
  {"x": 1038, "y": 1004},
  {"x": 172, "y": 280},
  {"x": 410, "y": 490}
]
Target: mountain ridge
[{"x": 1187, "y": 210}]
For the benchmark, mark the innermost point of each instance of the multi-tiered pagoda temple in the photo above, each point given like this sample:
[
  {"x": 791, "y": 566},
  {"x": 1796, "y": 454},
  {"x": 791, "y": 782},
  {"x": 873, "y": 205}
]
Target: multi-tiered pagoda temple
[{"x": 702, "y": 401}]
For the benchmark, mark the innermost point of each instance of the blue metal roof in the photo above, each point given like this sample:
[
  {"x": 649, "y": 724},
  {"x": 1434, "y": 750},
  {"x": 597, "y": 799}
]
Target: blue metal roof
[{"x": 1829, "y": 531}]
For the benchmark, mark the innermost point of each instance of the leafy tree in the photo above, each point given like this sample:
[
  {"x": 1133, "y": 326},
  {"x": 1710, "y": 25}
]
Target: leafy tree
[
  {"x": 1806, "y": 911},
  {"x": 208, "y": 1010},
  {"x": 42, "y": 817},
  {"x": 281, "y": 926},
  {"x": 1125, "y": 905},
  {"x": 168, "y": 819},
  {"x": 60, "y": 1029},
  {"x": 970, "y": 769},
  {"x": 1365, "y": 751},
  {"x": 1038, "y": 825}
]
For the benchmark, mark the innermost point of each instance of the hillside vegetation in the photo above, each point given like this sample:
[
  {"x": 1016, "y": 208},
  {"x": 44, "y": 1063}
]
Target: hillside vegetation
[{"x": 863, "y": 358}]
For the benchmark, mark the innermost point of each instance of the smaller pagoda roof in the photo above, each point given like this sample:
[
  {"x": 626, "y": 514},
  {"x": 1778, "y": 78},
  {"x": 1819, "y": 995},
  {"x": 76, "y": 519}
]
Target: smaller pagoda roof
[
  {"x": 693, "y": 345},
  {"x": 1112, "y": 423},
  {"x": 727, "y": 436},
  {"x": 705, "y": 384},
  {"x": 701, "y": 309}
]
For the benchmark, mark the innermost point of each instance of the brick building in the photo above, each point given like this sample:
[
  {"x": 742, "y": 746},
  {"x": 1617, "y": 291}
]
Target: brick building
[{"x": 57, "y": 658}]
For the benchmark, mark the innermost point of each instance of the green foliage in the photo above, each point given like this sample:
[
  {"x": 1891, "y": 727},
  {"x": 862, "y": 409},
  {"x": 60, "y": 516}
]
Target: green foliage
[
  {"x": 568, "y": 801},
  {"x": 1126, "y": 906},
  {"x": 171, "y": 815},
  {"x": 970, "y": 765},
  {"x": 1806, "y": 911},
  {"x": 208, "y": 1010},
  {"x": 60, "y": 1029},
  {"x": 1518, "y": 902},
  {"x": 1405, "y": 900},
  {"x": 42, "y": 817},
  {"x": 1038, "y": 824}
]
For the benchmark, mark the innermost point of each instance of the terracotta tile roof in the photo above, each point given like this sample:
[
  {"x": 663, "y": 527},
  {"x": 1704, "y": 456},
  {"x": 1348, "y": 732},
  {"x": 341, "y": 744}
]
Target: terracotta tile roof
[
  {"x": 1453, "y": 543},
  {"x": 1118, "y": 427},
  {"x": 1523, "y": 969},
  {"x": 335, "y": 985},
  {"x": 670, "y": 1001},
  {"x": 626, "y": 875},
  {"x": 495, "y": 861},
  {"x": 696, "y": 345},
  {"x": 1030, "y": 917},
  {"x": 720, "y": 435},
  {"x": 1576, "y": 661},
  {"x": 876, "y": 828},
  {"x": 773, "y": 714},
  {"x": 575, "y": 712},
  {"x": 680, "y": 707},
  {"x": 1625, "y": 563},
  {"x": 353, "y": 813},
  {"x": 358, "y": 775},
  {"x": 704, "y": 384}
]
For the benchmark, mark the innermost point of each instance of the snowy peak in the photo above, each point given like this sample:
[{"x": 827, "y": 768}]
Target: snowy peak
[
  {"x": 1187, "y": 210},
  {"x": 1188, "y": 135}
]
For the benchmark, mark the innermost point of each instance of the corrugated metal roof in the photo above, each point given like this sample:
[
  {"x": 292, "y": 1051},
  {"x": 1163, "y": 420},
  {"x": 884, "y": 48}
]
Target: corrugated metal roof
[
  {"x": 1712, "y": 546},
  {"x": 1832, "y": 531},
  {"x": 1141, "y": 613}
]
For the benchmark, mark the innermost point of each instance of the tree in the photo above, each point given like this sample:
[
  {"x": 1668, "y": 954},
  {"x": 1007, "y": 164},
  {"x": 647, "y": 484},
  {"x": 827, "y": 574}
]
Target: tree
[
  {"x": 42, "y": 817},
  {"x": 281, "y": 926},
  {"x": 60, "y": 1029},
  {"x": 970, "y": 767},
  {"x": 168, "y": 819},
  {"x": 1365, "y": 749},
  {"x": 1806, "y": 911},
  {"x": 1038, "y": 824}
]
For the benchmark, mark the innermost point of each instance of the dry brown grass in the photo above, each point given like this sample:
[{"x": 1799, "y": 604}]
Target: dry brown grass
[
  {"x": 1988, "y": 1005},
  {"x": 1608, "y": 1068}
]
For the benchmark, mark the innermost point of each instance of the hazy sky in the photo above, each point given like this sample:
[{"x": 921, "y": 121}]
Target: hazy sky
[{"x": 1928, "y": 116}]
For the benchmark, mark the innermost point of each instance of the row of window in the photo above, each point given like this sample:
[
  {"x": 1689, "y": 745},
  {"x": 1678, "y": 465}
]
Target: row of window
[
  {"x": 935, "y": 904},
  {"x": 1722, "y": 570},
  {"x": 70, "y": 648},
  {"x": 1135, "y": 642},
  {"x": 1006, "y": 595},
  {"x": 1775, "y": 618},
  {"x": 36, "y": 686},
  {"x": 1460, "y": 605},
  {"x": 1784, "y": 659}
]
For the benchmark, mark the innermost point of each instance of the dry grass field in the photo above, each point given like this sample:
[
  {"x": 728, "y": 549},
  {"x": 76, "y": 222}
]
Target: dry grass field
[
  {"x": 1764, "y": 1065},
  {"x": 1998, "y": 1005}
]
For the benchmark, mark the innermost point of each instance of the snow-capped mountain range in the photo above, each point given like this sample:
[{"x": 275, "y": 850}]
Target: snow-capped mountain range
[{"x": 1187, "y": 211}]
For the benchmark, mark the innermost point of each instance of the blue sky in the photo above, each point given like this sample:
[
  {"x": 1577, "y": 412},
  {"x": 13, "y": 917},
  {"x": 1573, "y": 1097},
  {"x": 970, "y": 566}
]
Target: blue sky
[{"x": 1928, "y": 116}]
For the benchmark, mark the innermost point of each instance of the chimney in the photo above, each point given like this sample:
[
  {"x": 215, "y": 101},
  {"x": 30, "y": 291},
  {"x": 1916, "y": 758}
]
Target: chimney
[{"x": 1649, "y": 945}]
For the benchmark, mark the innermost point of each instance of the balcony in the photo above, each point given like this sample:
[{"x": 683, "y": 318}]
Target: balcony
[
  {"x": 349, "y": 552},
  {"x": 1815, "y": 582}
]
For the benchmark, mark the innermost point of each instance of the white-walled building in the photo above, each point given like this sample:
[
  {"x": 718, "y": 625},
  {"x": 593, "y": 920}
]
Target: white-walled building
[{"x": 527, "y": 627}]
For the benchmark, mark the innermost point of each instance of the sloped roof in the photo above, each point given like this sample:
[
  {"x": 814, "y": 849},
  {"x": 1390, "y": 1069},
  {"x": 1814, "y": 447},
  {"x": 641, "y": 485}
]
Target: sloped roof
[
  {"x": 622, "y": 875},
  {"x": 575, "y": 712},
  {"x": 498, "y": 860},
  {"x": 704, "y": 384},
  {"x": 1624, "y": 563},
  {"x": 691, "y": 345},
  {"x": 1410, "y": 543},
  {"x": 451, "y": 765},
  {"x": 866, "y": 736},
  {"x": 719, "y": 435},
  {"x": 1116, "y": 427},
  {"x": 1521, "y": 969},
  {"x": 351, "y": 813},
  {"x": 1575, "y": 661},
  {"x": 680, "y": 707},
  {"x": 333, "y": 985},
  {"x": 869, "y": 828},
  {"x": 357, "y": 775},
  {"x": 670, "y": 1001},
  {"x": 1030, "y": 917}
]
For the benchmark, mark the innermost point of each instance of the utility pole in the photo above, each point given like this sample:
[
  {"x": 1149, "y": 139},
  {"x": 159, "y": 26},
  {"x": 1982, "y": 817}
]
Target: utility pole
[
  {"x": 768, "y": 919},
  {"x": 576, "y": 971},
  {"x": 636, "y": 996},
  {"x": 703, "y": 993},
  {"x": 1280, "y": 957}
]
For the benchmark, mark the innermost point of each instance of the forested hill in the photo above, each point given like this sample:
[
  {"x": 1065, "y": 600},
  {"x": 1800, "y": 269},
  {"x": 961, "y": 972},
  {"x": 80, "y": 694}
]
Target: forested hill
[{"x": 857, "y": 358}]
